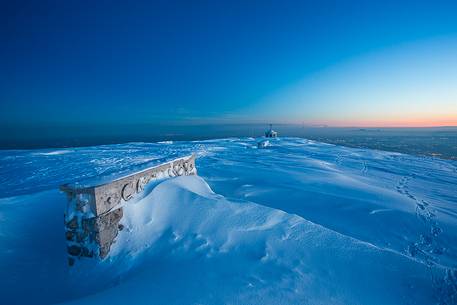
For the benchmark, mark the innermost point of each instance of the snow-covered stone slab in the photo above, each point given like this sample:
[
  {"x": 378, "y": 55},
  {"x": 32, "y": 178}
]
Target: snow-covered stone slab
[{"x": 94, "y": 207}]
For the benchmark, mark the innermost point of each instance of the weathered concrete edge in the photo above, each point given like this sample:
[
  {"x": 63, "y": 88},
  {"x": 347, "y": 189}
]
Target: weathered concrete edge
[
  {"x": 83, "y": 188},
  {"x": 105, "y": 196}
]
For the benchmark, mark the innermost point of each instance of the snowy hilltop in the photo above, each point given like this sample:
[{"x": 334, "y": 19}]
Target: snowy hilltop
[{"x": 296, "y": 222}]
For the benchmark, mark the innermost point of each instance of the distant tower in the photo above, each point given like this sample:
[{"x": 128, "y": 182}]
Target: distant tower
[{"x": 271, "y": 133}]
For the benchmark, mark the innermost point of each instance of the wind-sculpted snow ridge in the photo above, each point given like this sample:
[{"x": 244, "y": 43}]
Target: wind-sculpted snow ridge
[{"x": 298, "y": 222}]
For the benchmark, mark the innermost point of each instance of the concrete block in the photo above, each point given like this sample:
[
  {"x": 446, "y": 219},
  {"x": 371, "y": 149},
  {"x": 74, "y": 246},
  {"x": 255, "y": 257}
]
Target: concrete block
[{"x": 95, "y": 210}]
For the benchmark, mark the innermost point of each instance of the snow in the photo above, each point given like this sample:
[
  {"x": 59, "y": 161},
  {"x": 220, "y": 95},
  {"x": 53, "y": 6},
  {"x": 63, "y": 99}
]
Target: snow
[
  {"x": 263, "y": 144},
  {"x": 298, "y": 222},
  {"x": 55, "y": 152},
  {"x": 107, "y": 178}
]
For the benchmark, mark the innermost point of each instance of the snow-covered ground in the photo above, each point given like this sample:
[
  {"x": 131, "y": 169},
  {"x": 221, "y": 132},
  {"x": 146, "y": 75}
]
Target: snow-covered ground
[{"x": 297, "y": 222}]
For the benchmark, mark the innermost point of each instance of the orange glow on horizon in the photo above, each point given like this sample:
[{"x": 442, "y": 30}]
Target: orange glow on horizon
[{"x": 411, "y": 122}]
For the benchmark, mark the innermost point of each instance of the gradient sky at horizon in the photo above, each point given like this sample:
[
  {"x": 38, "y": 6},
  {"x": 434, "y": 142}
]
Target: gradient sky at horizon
[{"x": 340, "y": 63}]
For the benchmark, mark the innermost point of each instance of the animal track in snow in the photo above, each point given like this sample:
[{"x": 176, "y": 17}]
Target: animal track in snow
[{"x": 426, "y": 246}]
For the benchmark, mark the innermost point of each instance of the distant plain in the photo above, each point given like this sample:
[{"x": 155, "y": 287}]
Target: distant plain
[{"x": 438, "y": 142}]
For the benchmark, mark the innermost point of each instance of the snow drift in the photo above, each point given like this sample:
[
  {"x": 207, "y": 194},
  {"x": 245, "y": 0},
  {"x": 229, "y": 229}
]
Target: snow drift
[{"x": 296, "y": 223}]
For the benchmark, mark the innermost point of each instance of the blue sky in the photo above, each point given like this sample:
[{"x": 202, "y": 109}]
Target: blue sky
[{"x": 320, "y": 62}]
